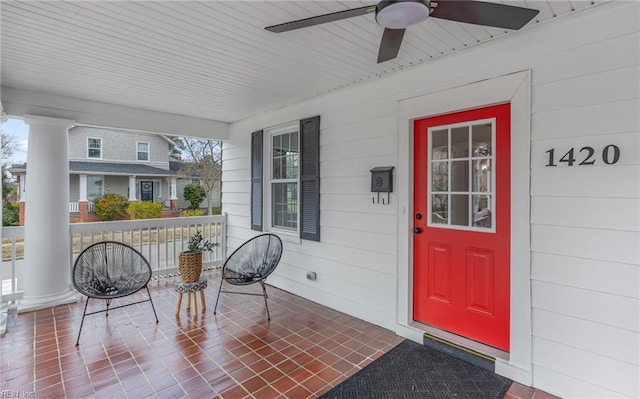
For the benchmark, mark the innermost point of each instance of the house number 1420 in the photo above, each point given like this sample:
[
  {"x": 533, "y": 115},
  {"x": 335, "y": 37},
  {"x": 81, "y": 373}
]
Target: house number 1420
[{"x": 586, "y": 156}]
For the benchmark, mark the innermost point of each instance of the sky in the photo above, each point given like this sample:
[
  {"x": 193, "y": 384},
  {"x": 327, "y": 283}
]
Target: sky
[{"x": 19, "y": 129}]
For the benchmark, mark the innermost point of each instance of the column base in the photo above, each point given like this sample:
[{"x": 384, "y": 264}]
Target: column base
[{"x": 47, "y": 301}]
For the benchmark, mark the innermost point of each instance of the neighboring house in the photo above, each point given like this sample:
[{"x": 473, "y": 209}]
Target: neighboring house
[{"x": 134, "y": 164}]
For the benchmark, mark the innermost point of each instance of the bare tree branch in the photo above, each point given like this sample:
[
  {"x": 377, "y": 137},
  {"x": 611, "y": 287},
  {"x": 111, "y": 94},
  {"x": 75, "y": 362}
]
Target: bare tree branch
[
  {"x": 203, "y": 161},
  {"x": 10, "y": 145}
]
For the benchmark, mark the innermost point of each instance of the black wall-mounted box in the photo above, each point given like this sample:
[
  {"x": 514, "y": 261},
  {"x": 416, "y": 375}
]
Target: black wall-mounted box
[{"x": 382, "y": 179}]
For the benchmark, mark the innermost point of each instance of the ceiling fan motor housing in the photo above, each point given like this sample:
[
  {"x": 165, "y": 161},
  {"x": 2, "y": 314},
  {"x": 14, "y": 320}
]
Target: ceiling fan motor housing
[{"x": 400, "y": 14}]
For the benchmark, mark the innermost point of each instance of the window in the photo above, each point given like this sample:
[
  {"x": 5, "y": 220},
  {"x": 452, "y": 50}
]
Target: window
[
  {"x": 287, "y": 160},
  {"x": 284, "y": 179},
  {"x": 143, "y": 151},
  {"x": 461, "y": 192},
  {"x": 94, "y": 147},
  {"x": 94, "y": 187}
]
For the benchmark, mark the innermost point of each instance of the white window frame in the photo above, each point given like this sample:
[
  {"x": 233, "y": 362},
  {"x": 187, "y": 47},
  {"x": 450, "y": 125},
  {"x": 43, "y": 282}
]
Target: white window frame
[
  {"x": 268, "y": 178},
  {"x": 470, "y": 158},
  {"x": 90, "y": 148},
  {"x": 138, "y": 151}
]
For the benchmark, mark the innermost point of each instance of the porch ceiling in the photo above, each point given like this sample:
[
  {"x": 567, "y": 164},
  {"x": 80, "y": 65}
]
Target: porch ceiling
[{"x": 213, "y": 59}]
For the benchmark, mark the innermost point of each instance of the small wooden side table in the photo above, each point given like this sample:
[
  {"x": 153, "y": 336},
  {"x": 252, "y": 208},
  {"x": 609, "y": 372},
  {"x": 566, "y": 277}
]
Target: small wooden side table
[{"x": 190, "y": 289}]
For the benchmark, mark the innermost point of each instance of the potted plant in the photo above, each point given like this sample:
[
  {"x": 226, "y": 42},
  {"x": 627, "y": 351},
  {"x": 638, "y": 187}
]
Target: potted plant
[{"x": 190, "y": 261}]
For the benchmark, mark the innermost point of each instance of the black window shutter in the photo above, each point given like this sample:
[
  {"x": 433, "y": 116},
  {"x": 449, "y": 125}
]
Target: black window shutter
[
  {"x": 256, "y": 180},
  {"x": 310, "y": 178}
]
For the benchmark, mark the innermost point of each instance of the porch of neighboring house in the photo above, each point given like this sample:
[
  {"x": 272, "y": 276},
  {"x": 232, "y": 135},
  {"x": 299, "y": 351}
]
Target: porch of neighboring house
[
  {"x": 303, "y": 352},
  {"x": 156, "y": 185}
]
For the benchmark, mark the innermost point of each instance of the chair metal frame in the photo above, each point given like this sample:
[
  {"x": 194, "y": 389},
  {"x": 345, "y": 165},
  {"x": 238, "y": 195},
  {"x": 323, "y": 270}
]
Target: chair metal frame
[
  {"x": 111, "y": 293},
  {"x": 259, "y": 280}
]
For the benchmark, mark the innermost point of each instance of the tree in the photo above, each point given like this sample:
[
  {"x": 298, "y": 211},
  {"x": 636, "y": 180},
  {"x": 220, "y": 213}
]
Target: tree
[
  {"x": 194, "y": 193},
  {"x": 10, "y": 210},
  {"x": 10, "y": 145},
  {"x": 202, "y": 160}
]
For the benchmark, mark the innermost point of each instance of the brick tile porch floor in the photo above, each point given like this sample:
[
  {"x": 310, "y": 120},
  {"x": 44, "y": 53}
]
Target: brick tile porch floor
[{"x": 303, "y": 352}]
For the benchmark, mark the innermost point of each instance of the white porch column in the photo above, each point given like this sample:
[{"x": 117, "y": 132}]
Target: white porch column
[
  {"x": 83, "y": 189},
  {"x": 173, "y": 188},
  {"x": 22, "y": 194},
  {"x": 132, "y": 188},
  {"x": 47, "y": 262}
]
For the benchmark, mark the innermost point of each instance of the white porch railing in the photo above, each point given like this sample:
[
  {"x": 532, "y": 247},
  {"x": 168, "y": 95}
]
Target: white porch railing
[
  {"x": 74, "y": 207},
  {"x": 159, "y": 240},
  {"x": 11, "y": 268}
]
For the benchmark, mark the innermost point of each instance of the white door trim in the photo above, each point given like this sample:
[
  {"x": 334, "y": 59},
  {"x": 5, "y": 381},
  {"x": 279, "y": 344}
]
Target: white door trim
[{"x": 514, "y": 88}]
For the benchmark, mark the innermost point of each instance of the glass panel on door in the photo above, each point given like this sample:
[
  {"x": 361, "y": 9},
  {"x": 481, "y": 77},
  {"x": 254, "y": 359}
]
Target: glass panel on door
[{"x": 461, "y": 177}]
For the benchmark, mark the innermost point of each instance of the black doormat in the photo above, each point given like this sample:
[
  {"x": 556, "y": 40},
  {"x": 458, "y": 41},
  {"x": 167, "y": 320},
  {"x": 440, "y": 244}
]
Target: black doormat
[{"x": 411, "y": 370}]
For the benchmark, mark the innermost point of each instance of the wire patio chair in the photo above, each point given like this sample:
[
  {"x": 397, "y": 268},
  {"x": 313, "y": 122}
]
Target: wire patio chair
[
  {"x": 252, "y": 263},
  {"x": 109, "y": 270}
]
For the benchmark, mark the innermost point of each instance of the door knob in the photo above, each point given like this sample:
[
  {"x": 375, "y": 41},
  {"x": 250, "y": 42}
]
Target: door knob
[{"x": 417, "y": 230}]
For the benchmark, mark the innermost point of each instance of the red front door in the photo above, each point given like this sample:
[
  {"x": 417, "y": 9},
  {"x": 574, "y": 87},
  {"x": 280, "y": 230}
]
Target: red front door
[{"x": 461, "y": 223}]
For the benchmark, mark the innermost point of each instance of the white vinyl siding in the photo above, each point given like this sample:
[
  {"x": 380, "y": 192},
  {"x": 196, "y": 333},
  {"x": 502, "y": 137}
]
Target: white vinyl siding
[
  {"x": 118, "y": 146},
  {"x": 585, "y": 230}
]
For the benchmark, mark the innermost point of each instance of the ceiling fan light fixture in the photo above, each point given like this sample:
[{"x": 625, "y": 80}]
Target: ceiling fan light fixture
[{"x": 400, "y": 14}]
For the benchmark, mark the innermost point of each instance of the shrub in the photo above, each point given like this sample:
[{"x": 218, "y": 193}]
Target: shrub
[
  {"x": 145, "y": 210},
  {"x": 110, "y": 206},
  {"x": 192, "y": 212},
  {"x": 194, "y": 193},
  {"x": 10, "y": 214}
]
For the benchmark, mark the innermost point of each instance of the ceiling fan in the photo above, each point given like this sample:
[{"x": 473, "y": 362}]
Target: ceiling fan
[{"x": 395, "y": 16}]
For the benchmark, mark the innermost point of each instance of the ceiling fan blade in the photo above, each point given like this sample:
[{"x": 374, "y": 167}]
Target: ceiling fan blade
[
  {"x": 483, "y": 13},
  {"x": 390, "y": 44},
  {"x": 320, "y": 19}
]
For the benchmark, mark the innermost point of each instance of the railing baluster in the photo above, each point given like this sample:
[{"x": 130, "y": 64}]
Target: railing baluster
[{"x": 14, "y": 279}]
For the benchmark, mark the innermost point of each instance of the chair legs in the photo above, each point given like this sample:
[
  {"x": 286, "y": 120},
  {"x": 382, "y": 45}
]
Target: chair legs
[
  {"x": 107, "y": 311},
  {"x": 264, "y": 294},
  {"x": 264, "y": 291},
  {"x": 82, "y": 322},
  {"x": 108, "y": 303},
  {"x": 152, "y": 307},
  {"x": 215, "y": 308}
]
